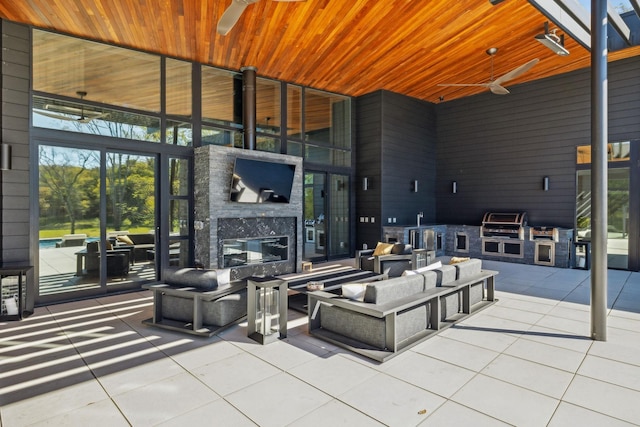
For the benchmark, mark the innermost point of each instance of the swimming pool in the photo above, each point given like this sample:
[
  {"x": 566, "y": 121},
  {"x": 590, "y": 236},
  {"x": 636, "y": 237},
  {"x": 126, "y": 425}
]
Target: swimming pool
[{"x": 51, "y": 242}]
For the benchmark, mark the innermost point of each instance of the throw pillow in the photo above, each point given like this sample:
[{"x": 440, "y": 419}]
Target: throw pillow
[
  {"x": 456, "y": 260},
  {"x": 354, "y": 291},
  {"x": 223, "y": 276},
  {"x": 402, "y": 249},
  {"x": 125, "y": 239},
  {"x": 432, "y": 266},
  {"x": 383, "y": 249}
]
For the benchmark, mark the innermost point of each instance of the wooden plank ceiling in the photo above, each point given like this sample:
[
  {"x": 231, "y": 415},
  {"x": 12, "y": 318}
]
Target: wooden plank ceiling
[{"x": 348, "y": 47}]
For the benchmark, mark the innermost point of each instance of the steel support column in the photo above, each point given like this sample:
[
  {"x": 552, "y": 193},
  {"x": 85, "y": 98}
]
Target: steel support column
[
  {"x": 599, "y": 140},
  {"x": 249, "y": 107}
]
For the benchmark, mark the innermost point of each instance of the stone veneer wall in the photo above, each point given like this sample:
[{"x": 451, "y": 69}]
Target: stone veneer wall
[{"x": 216, "y": 217}]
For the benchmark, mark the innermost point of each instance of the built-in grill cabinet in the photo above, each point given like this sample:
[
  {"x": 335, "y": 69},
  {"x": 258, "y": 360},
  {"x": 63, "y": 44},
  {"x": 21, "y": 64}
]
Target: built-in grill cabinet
[
  {"x": 503, "y": 234},
  {"x": 545, "y": 239}
]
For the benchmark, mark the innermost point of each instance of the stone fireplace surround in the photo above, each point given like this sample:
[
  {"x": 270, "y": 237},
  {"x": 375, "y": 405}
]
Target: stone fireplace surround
[{"x": 217, "y": 218}]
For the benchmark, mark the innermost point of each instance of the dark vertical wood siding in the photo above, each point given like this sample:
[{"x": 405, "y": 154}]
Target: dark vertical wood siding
[
  {"x": 368, "y": 164},
  {"x": 499, "y": 148},
  {"x": 396, "y": 144},
  {"x": 14, "y": 192}
]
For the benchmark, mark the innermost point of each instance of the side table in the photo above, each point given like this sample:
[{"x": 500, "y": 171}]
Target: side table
[{"x": 13, "y": 293}]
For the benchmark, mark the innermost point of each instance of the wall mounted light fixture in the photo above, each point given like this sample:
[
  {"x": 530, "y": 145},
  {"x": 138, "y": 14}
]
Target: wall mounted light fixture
[
  {"x": 414, "y": 186},
  {"x": 5, "y": 157},
  {"x": 545, "y": 183},
  {"x": 365, "y": 183},
  {"x": 454, "y": 187}
]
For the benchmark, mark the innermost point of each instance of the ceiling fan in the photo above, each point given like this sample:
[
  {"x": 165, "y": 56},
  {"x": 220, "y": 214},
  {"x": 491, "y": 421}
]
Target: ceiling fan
[
  {"x": 234, "y": 12},
  {"x": 495, "y": 86},
  {"x": 64, "y": 112}
]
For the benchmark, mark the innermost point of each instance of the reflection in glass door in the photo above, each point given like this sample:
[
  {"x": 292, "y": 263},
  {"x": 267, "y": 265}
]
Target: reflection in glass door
[
  {"x": 618, "y": 214},
  {"x": 97, "y": 221},
  {"x": 339, "y": 215},
  {"x": 69, "y": 226},
  {"x": 315, "y": 238},
  {"x": 130, "y": 227}
]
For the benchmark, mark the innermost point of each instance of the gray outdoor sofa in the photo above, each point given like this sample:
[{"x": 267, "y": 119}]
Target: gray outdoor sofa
[
  {"x": 197, "y": 301},
  {"x": 398, "y": 313}
]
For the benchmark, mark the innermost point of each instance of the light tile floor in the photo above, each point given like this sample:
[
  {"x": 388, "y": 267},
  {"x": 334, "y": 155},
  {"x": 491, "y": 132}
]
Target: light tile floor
[{"x": 525, "y": 361}]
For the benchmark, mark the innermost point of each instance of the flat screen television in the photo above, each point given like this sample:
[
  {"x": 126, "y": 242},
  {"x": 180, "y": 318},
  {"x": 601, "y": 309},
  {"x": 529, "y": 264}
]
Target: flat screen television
[{"x": 259, "y": 181}]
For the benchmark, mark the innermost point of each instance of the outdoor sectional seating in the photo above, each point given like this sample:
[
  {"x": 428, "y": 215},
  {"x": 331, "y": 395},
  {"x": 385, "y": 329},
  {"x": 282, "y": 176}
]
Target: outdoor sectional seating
[
  {"x": 392, "y": 258},
  {"x": 197, "y": 301},
  {"x": 142, "y": 243},
  {"x": 397, "y": 313}
]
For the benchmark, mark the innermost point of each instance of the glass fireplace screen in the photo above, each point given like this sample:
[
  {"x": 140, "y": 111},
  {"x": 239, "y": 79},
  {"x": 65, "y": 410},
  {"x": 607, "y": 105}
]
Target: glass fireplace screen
[{"x": 259, "y": 250}]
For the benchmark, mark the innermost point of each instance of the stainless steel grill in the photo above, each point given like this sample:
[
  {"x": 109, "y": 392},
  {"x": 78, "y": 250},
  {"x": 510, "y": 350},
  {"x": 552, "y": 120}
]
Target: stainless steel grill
[{"x": 506, "y": 225}]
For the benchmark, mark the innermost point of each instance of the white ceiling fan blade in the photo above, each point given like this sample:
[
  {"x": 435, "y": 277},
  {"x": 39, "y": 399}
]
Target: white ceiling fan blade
[
  {"x": 57, "y": 116},
  {"x": 517, "y": 72},
  {"x": 497, "y": 89},
  {"x": 232, "y": 14},
  {"x": 63, "y": 116}
]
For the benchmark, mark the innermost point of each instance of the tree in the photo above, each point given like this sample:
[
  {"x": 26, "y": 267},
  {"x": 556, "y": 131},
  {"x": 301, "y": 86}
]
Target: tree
[{"x": 60, "y": 172}]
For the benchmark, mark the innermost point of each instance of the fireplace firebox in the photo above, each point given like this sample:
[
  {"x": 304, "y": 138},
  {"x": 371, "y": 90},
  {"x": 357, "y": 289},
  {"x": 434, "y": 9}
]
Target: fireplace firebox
[{"x": 240, "y": 252}]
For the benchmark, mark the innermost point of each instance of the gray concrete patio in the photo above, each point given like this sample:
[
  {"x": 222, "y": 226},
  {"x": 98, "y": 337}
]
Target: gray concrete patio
[{"x": 524, "y": 361}]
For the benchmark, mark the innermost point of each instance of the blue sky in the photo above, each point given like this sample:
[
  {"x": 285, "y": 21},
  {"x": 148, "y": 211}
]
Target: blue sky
[{"x": 618, "y": 4}]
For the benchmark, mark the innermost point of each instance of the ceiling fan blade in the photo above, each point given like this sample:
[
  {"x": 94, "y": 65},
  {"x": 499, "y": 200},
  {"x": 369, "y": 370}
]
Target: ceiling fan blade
[
  {"x": 62, "y": 116},
  {"x": 232, "y": 15},
  {"x": 517, "y": 72},
  {"x": 57, "y": 116},
  {"x": 497, "y": 89}
]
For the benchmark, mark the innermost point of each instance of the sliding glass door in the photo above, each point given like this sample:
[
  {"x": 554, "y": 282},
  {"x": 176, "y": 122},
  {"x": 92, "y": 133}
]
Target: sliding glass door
[
  {"x": 326, "y": 214},
  {"x": 97, "y": 226},
  {"x": 618, "y": 214}
]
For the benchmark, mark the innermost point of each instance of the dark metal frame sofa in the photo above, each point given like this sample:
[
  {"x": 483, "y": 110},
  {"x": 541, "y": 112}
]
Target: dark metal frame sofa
[
  {"x": 142, "y": 243},
  {"x": 197, "y": 301},
  {"x": 399, "y": 258},
  {"x": 398, "y": 313}
]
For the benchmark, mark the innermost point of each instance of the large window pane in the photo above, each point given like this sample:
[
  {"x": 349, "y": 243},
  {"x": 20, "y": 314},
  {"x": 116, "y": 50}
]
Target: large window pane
[
  {"x": 268, "y": 118},
  {"x": 617, "y": 213},
  {"x": 216, "y": 136},
  {"x": 178, "y": 88},
  {"x": 179, "y": 133},
  {"x": 616, "y": 152},
  {"x": 178, "y": 177},
  {"x": 327, "y": 118},
  {"x": 76, "y": 117},
  {"x": 221, "y": 97},
  {"x": 65, "y": 65},
  {"x": 294, "y": 148},
  {"x": 327, "y": 156},
  {"x": 294, "y": 111},
  {"x": 265, "y": 143}
]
